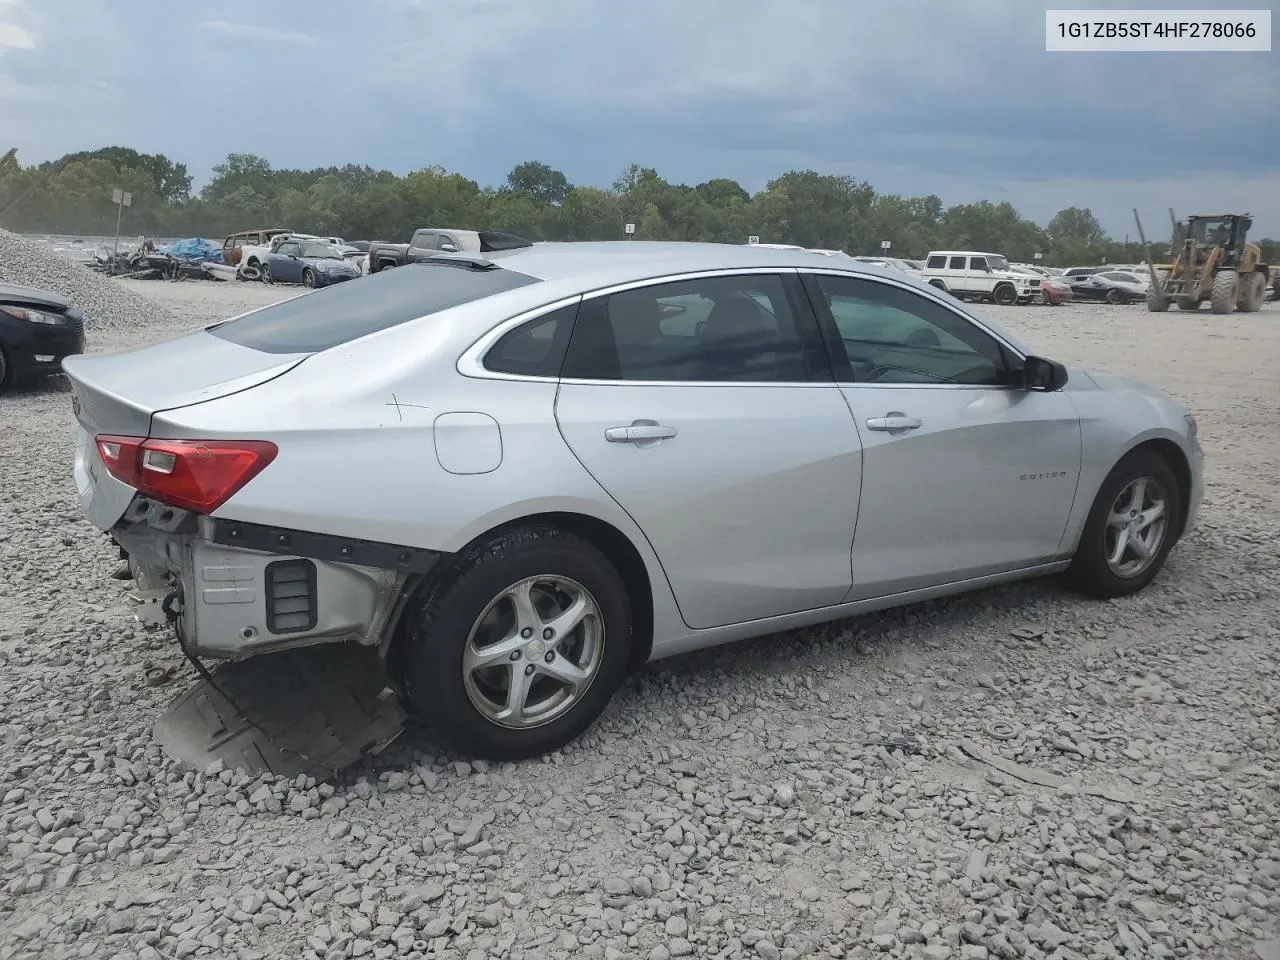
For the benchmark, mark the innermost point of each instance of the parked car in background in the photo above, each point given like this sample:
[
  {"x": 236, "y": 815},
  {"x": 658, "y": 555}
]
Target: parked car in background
[
  {"x": 1073, "y": 272},
  {"x": 312, "y": 263},
  {"x": 1111, "y": 286},
  {"x": 233, "y": 246},
  {"x": 38, "y": 330},
  {"x": 1055, "y": 291},
  {"x": 431, "y": 241},
  {"x": 973, "y": 275},
  {"x": 891, "y": 262},
  {"x": 1039, "y": 295},
  {"x": 520, "y": 478}
]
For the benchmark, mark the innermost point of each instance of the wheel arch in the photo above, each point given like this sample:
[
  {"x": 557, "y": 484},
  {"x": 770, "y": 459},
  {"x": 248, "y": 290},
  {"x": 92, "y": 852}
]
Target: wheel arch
[
  {"x": 601, "y": 534},
  {"x": 1178, "y": 461}
]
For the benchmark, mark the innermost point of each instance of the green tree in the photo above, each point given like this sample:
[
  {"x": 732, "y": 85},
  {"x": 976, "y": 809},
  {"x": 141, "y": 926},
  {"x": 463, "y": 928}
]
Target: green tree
[{"x": 538, "y": 182}]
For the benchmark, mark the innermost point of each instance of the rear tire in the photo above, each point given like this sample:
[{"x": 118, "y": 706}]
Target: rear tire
[
  {"x": 1189, "y": 303},
  {"x": 453, "y": 624},
  {"x": 5, "y": 374},
  {"x": 1254, "y": 293},
  {"x": 1226, "y": 284},
  {"x": 1104, "y": 566}
]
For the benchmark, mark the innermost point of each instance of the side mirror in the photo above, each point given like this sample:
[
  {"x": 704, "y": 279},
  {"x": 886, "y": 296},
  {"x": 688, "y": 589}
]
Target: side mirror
[{"x": 1044, "y": 376}]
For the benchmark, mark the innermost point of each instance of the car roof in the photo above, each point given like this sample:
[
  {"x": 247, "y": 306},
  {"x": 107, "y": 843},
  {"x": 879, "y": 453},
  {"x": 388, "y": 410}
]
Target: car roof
[
  {"x": 603, "y": 263},
  {"x": 963, "y": 253}
]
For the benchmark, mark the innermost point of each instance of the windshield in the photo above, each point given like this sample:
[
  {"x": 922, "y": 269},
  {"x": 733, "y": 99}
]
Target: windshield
[
  {"x": 321, "y": 251},
  {"x": 997, "y": 263}
]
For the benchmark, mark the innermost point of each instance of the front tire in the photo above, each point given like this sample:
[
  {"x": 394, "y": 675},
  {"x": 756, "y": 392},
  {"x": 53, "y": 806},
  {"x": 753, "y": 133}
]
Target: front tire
[
  {"x": 1114, "y": 297},
  {"x": 5, "y": 375},
  {"x": 1131, "y": 527},
  {"x": 1005, "y": 295},
  {"x": 518, "y": 646},
  {"x": 266, "y": 274},
  {"x": 309, "y": 278},
  {"x": 1226, "y": 284},
  {"x": 1157, "y": 300}
]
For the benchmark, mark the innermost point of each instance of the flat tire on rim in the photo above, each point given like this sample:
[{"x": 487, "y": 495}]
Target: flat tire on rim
[
  {"x": 518, "y": 645},
  {"x": 1135, "y": 519}
]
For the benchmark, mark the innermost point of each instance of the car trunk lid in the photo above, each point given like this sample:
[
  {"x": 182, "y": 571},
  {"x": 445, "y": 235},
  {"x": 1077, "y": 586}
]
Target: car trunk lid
[{"x": 118, "y": 393}]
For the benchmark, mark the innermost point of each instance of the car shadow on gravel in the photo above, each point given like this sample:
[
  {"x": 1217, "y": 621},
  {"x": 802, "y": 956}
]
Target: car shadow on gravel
[{"x": 40, "y": 386}]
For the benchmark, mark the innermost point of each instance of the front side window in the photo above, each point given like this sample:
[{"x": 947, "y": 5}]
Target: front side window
[
  {"x": 289, "y": 250},
  {"x": 715, "y": 329},
  {"x": 978, "y": 263},
  {"x": 893, "y": 335}
]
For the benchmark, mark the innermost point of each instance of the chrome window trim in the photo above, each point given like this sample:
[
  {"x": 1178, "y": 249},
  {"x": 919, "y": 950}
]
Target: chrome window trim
[{"x": 471, "y": 363}]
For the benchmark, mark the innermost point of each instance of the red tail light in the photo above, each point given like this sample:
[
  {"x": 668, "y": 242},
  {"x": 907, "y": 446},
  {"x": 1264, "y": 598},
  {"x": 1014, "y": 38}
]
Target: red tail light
[{"x": 198, "y": 475}]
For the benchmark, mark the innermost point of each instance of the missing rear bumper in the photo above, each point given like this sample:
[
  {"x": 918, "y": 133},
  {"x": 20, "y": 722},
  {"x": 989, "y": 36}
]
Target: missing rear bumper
[{"x": 239, "y": 590}]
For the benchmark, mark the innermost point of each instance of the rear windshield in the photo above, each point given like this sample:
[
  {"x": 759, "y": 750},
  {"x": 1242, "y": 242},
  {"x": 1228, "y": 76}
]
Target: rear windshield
[{"x": 335, "y": 315}]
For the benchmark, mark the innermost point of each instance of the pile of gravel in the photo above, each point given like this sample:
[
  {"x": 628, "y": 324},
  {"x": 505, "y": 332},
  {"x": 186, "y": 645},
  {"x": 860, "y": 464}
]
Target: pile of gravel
[{"x": 106, "y": 305}]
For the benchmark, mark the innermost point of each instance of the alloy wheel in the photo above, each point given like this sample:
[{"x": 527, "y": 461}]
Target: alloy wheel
[
  {"x": 1136, "y": 527},
  {"x": 533, "y": 652}
]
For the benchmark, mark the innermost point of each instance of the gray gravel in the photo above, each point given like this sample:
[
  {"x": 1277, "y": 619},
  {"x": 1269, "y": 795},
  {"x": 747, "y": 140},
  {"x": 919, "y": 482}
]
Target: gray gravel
[
  {"x": 802, "y": 795},
  {"x": 106, "y": 304}
]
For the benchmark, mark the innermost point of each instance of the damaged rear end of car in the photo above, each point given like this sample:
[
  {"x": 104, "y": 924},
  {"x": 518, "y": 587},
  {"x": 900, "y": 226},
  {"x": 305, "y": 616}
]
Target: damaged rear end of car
[{"x": 158, "y": 467}]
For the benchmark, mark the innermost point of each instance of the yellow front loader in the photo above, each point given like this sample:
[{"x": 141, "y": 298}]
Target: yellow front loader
[{"x": 1212, "y": 261}]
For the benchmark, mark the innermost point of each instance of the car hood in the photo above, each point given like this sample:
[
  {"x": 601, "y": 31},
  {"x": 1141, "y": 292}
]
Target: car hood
[
  {"x": 32, "y": 297},
  {"x": 319, "y": 261},
  {"x": 1086, "y": 379}
]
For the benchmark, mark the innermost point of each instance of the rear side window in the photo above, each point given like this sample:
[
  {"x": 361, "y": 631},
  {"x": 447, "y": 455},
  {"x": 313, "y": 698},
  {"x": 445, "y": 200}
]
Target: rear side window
[
  {"x": 957, "y": 263},
  {"x": 536, "y": 348},
  {"x": 348, "y": 311}
]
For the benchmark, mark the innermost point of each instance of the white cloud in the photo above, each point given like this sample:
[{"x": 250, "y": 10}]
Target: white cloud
[
  {"x": 249, "y": 31},
  {"x": 14, "y": 37}
]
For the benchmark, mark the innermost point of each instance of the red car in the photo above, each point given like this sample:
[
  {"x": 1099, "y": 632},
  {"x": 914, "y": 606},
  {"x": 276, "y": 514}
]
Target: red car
[{"x": 1054, "y": 291}]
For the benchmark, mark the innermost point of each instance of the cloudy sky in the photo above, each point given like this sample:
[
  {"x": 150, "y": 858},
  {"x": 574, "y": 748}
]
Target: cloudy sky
[{"x": 915, "y": 96}]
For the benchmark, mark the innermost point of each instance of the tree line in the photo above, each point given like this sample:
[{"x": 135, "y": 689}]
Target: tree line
[{"x": 73, "y": 195}]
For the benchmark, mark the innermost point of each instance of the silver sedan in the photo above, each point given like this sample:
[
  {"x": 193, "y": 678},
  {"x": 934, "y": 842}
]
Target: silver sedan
[{"x": 520, "y": 475}]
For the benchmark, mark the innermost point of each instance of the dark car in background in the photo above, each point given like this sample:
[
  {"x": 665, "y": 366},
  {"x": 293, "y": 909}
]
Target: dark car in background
[
  {"x": 312, "y": 263},
  {"x": 1111, "y": 286},
  {"x": 38, "y": 329}
]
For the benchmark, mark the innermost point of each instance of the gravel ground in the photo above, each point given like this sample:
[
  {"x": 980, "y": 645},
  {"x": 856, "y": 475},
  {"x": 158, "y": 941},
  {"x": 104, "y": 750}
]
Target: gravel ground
[{"x": 802, "y": 795}]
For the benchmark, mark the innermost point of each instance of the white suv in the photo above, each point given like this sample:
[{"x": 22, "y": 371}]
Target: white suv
[{"x": 983, "y": 276}]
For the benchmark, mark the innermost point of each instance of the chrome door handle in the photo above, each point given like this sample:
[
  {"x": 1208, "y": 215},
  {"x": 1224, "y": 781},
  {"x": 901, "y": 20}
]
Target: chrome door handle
[
  {"x": 894, "y": 422},
  {"x": 639, "y": 431}
]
